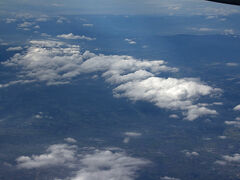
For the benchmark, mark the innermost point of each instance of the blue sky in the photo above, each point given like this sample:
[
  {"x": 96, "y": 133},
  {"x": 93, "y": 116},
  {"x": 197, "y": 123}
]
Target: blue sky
[{"x": 168, "y": 7}]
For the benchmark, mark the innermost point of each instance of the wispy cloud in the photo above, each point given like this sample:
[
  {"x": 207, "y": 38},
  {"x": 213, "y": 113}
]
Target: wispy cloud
[
  {"x": 87, "y": 25},
  {"x": 18, "y": 48},
  {"x": 129, "y": 135},
  {"x": 10, "y": 20},
  {"x": 169, "y": 178},
  {"x": 130, "y": 41},
  {"x": 72, "y": 36}
]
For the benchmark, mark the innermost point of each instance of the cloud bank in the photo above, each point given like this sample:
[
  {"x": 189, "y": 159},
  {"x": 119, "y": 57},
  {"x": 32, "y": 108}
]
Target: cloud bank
[{"x": 55, "y": 62}]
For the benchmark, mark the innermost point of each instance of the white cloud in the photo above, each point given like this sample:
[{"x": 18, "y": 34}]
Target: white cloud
[
  {"x": 237, "y": 108},
  {"x": 24, "y": 15},
  {"x": 42, "y": 19},
  {"x": 103, "y": 165},
  {"x": 213, "y": 30},
  {"x": 174, "y": 116},
  {"x": 39, "y": 115},
  {"x": 222, "y": 163},
  {"x": 10, "y": 20},
  {"x": 70, "y": 140},
  {"x": 196, "y": 111},
  {"x": 61, "y": 20},
  {"x": 37, "y": 27},
  {"x": 25, "y": 25},
  {"x": 237, "y": 118},
  {"x": 218, "y": 103},
  {"x": 57, "y": 5},
  {"x": 229, "y": 32},
  {"x": 205, "y": 29},
  {"x": 45, "y": 35},
  {"x": 222, "y": 137},
  {"x": 55, "y": 63},
  {"x": 126, "y": 140},
  {"x": 231, "y": 64},
  {"x": 234, "y": 158},
  {"x": 190, "y": 154},
  {"x": 130, "y": 41},
  {"x": 18, "y": 48},
  {"x": 56, "y": 155},
  {"x": 96, "y": 165},
  {"x": 87, "y": 25},
  {"x": 169, "y": 178},
  {"x": 130, "y": 135},
  {"x": 234, "y": 123},
  {"x": 168, "y": 93},
  {"x": 72, "y": 36}
]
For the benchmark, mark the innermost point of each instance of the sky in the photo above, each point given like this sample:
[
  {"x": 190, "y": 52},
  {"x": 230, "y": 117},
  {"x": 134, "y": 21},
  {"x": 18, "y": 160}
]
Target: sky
[
  {"x": 116, "y": 7},
  {"x": 63, "y": 54}
]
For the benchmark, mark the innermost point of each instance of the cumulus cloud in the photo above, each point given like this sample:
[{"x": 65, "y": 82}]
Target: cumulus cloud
[
  {"x": 95, "y": 165},
  {"x": 222, "y": 163},
  {"x": 174, "y": 116},
  {"x": 102, "y": 165},
  {"x": 41, "y": 115},
  {"x": 70, "y": 140},
  {"x": 235, "y": 158},
  {"x": 56, "y": 155},
  {"x": 55, "y": 62},
  {"x": 72, "y": 36},
  {"x": 191, "y": 154},
  {"x": 25, "y": 25},
  {"x": 222, "y": 137},
  {"x": 130, "y": 41},
  {"x": 18, "y": 48},
  {"x": 168, "y": 93}
]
